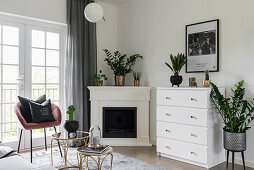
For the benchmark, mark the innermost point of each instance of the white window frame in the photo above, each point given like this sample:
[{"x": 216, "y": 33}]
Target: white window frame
[{"x": 27, "y": 24}]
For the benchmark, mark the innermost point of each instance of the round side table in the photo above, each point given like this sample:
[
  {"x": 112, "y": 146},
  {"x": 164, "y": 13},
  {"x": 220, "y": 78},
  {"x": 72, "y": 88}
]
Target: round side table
[
  {"x": 101, "y": 157},
  {"x": 66, "y": 142}
]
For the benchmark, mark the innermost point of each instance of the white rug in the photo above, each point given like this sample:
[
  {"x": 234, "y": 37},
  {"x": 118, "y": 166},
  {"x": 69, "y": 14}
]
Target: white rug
[{"x": 120, "y": 162}]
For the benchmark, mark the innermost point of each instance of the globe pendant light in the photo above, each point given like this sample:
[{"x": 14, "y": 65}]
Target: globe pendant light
[{"x": 93, "y": 12}]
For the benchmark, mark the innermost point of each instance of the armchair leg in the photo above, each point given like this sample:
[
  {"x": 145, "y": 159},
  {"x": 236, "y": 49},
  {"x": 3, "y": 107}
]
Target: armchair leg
[
  {"x": 20, "y": 139},
  {"x": 31, "y": 147},
  {"x": 59, "y": 144},
  {"x": 45, "y": 139}
]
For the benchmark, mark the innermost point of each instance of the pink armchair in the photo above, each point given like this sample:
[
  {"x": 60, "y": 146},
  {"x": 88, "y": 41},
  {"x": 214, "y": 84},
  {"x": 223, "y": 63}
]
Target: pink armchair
[{"x": 31, "y": 126}]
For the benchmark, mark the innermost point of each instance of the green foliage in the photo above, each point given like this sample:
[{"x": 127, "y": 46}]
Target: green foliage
[
  {"x": 206, "y": 75},
  {"x": 178, "y": 62},
  {"x": 236, "y": 112},
  {"x": 71, "y": 110},
  {"x": 119, "y": 63},
  {"x": 98, "y": 77},
  {"x": 136, "y": 75}
]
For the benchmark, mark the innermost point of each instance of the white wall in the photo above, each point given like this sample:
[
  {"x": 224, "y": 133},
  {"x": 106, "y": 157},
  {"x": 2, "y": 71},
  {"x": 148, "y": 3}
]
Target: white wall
[
  {"x": 107, "y": 38},
  {"x": 52, "y": 10},
  {"x": 157, "y": 28}
]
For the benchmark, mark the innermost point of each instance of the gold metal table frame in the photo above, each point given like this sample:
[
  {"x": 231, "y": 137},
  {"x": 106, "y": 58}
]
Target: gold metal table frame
[
  {"x": 101, "y": 157},
  {"x": 65, "y": 143}
]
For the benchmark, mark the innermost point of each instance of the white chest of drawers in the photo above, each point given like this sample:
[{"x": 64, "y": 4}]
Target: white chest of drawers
[{"x": 188, "y": 128}]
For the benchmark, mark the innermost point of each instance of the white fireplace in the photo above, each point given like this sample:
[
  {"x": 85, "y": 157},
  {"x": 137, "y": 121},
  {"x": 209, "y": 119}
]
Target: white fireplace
[{"x": 127, "y": 111}]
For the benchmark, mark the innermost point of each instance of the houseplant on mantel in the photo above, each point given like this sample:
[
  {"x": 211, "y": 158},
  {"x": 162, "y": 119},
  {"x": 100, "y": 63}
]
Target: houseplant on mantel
[
  {"x": 237, "y": 114},
  {"x": 99, "y": 78},
  {"x": 71, "y": 125},
  {"x": 178, "y": 62},
  {"x": 120, "y": 64}
]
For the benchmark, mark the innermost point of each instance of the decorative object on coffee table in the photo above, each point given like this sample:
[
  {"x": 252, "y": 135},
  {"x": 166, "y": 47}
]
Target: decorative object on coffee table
[
  {"x": 178, "y": 62},
  {"x": 71, "y": 125},
  {"x": 95, "y": 137},
  {"x": 85, "y": 156},
  {"x": 136, "y": 76},
  {"x": 120, "y": 65},
  {"x": 192, "y": 82},
  {"x": 99, "y": 78},
  {"x": 237, "y": 114},
  {"x": 66, "y": 142},
  {"x": 202, "y": 46},
  {"x": 206, "y": 82}
]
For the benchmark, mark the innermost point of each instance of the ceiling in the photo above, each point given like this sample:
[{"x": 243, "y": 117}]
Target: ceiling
[{"x": 115, "y": 2}]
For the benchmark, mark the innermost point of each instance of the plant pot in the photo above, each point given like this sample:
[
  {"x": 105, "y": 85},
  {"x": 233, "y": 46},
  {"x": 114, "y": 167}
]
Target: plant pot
[
  {"x": 119, "y": 80},
  {"x": 99, "y": 82},
  {"x": 136, "y": 82},
  {"x": 71, "y": 126},
  {"x": 206, "y": 83},
  {"x": 235, "y": 142},
  {"x": 176, "y": 80}
]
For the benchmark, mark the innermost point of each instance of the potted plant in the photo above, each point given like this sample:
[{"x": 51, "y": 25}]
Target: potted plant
[
  {"x": 206, "y": 82},
  {"x": 99, "y": 78},
  {"x": 178, "y": 62},
  {"x": 237, "y": 114},
  {"x": 120, "y": 64},
  {"x": 71, "y": 125},
  {"x": 136, "y": 76}
]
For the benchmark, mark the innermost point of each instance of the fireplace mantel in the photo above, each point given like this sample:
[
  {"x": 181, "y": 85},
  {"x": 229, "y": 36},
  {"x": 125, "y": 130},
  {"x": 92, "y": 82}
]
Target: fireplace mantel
[{"x": 126, "y": 96}]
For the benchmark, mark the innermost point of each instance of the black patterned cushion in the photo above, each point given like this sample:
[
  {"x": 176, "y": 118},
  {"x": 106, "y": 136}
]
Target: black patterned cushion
[
  {"x": 25, "y": 107},
  {"x": 41, "y": 112}
]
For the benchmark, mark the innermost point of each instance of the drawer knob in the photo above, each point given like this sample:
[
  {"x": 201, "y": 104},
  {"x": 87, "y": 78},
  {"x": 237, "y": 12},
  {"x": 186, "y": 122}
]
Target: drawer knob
[
  {"x": 193, "y": 153},
  {"x": 192, "y": 99},
  {"x": 167, "y": 147},
  {"x": 168, "y": 98},
  {"x": 167, "y": 114},
  {"x": 192, "y": 117},
  {"x": 168, "y": 131},
  {"x": 193, "y": 135}
]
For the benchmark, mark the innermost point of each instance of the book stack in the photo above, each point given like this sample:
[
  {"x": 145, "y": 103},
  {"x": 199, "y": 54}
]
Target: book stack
[{"x": 90, "y": 150}]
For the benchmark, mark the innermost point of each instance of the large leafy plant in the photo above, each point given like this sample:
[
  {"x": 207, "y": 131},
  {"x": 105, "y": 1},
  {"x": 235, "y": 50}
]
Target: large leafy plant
[
  {"x": 120, "y": 64},
  {"x": 236, "y": 112},
  {"x": 178, "y": 62}
]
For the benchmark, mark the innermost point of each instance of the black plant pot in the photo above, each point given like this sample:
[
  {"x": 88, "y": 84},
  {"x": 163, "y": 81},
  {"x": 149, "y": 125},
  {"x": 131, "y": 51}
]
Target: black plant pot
[
  {"x": 235, "y": 142},
  {"x": 71, "y": 127},
  {"x": 176, "y": 80}
]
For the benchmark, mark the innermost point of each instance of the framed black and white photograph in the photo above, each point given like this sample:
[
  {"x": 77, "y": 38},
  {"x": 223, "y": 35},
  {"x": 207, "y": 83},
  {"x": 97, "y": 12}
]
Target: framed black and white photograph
[{"x": 202, "y": 46}]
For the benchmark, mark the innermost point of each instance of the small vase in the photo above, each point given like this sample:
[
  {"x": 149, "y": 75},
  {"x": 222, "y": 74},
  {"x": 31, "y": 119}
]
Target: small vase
[
  {"x": 235, "y": 142},
  {"x": 176, "y": 80},
  {"x": 136, "y": 82},
  {"x": 100, "y": 83},
  {"x": 119, "y": 80},
  {"x": 71, "y": 127},
  {"x": 206, "y": 83}
]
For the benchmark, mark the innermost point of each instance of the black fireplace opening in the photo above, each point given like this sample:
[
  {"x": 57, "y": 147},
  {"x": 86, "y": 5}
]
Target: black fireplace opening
[{"x": 119, "y": 122}]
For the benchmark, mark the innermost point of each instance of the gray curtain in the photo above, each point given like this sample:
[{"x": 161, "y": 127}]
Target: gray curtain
[{"x": 80, "y": 61}]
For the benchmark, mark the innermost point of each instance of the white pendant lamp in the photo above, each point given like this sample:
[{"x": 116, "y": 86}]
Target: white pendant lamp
[{"x": 93, "y": 12}]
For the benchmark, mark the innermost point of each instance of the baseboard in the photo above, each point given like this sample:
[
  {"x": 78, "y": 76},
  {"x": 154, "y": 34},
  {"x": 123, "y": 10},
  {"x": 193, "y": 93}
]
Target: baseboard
[
  {"x": 247, "y": 163},
  {"x": 153, "y": 142}
]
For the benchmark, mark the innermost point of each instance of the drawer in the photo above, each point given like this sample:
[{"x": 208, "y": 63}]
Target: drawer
[
  {"x": 184, "y": 150},
  {"x": 189, "y": 116},
  {"x": 188, "y": 98},
  {"x": 182, "y": 132}
]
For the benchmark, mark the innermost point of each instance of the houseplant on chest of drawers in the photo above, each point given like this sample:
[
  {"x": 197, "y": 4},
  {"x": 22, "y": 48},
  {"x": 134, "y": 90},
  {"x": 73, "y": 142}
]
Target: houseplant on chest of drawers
[
  {"x": 188, "y": 129},
  {"x": 237, "y": 114}
]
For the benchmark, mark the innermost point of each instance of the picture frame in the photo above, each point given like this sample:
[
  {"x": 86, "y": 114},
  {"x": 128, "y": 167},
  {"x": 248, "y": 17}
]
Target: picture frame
[{"x": 202, "y": 46}]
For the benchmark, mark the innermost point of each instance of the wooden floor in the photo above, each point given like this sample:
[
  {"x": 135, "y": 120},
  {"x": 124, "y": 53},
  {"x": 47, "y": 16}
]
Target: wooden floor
[{"x": 148, "y": 154}]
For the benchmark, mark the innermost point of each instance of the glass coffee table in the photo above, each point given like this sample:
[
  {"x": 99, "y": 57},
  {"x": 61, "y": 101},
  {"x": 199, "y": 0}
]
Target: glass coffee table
[
  {"x": 101, "y": 157},
  {"x": 66, "y": 142}
]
